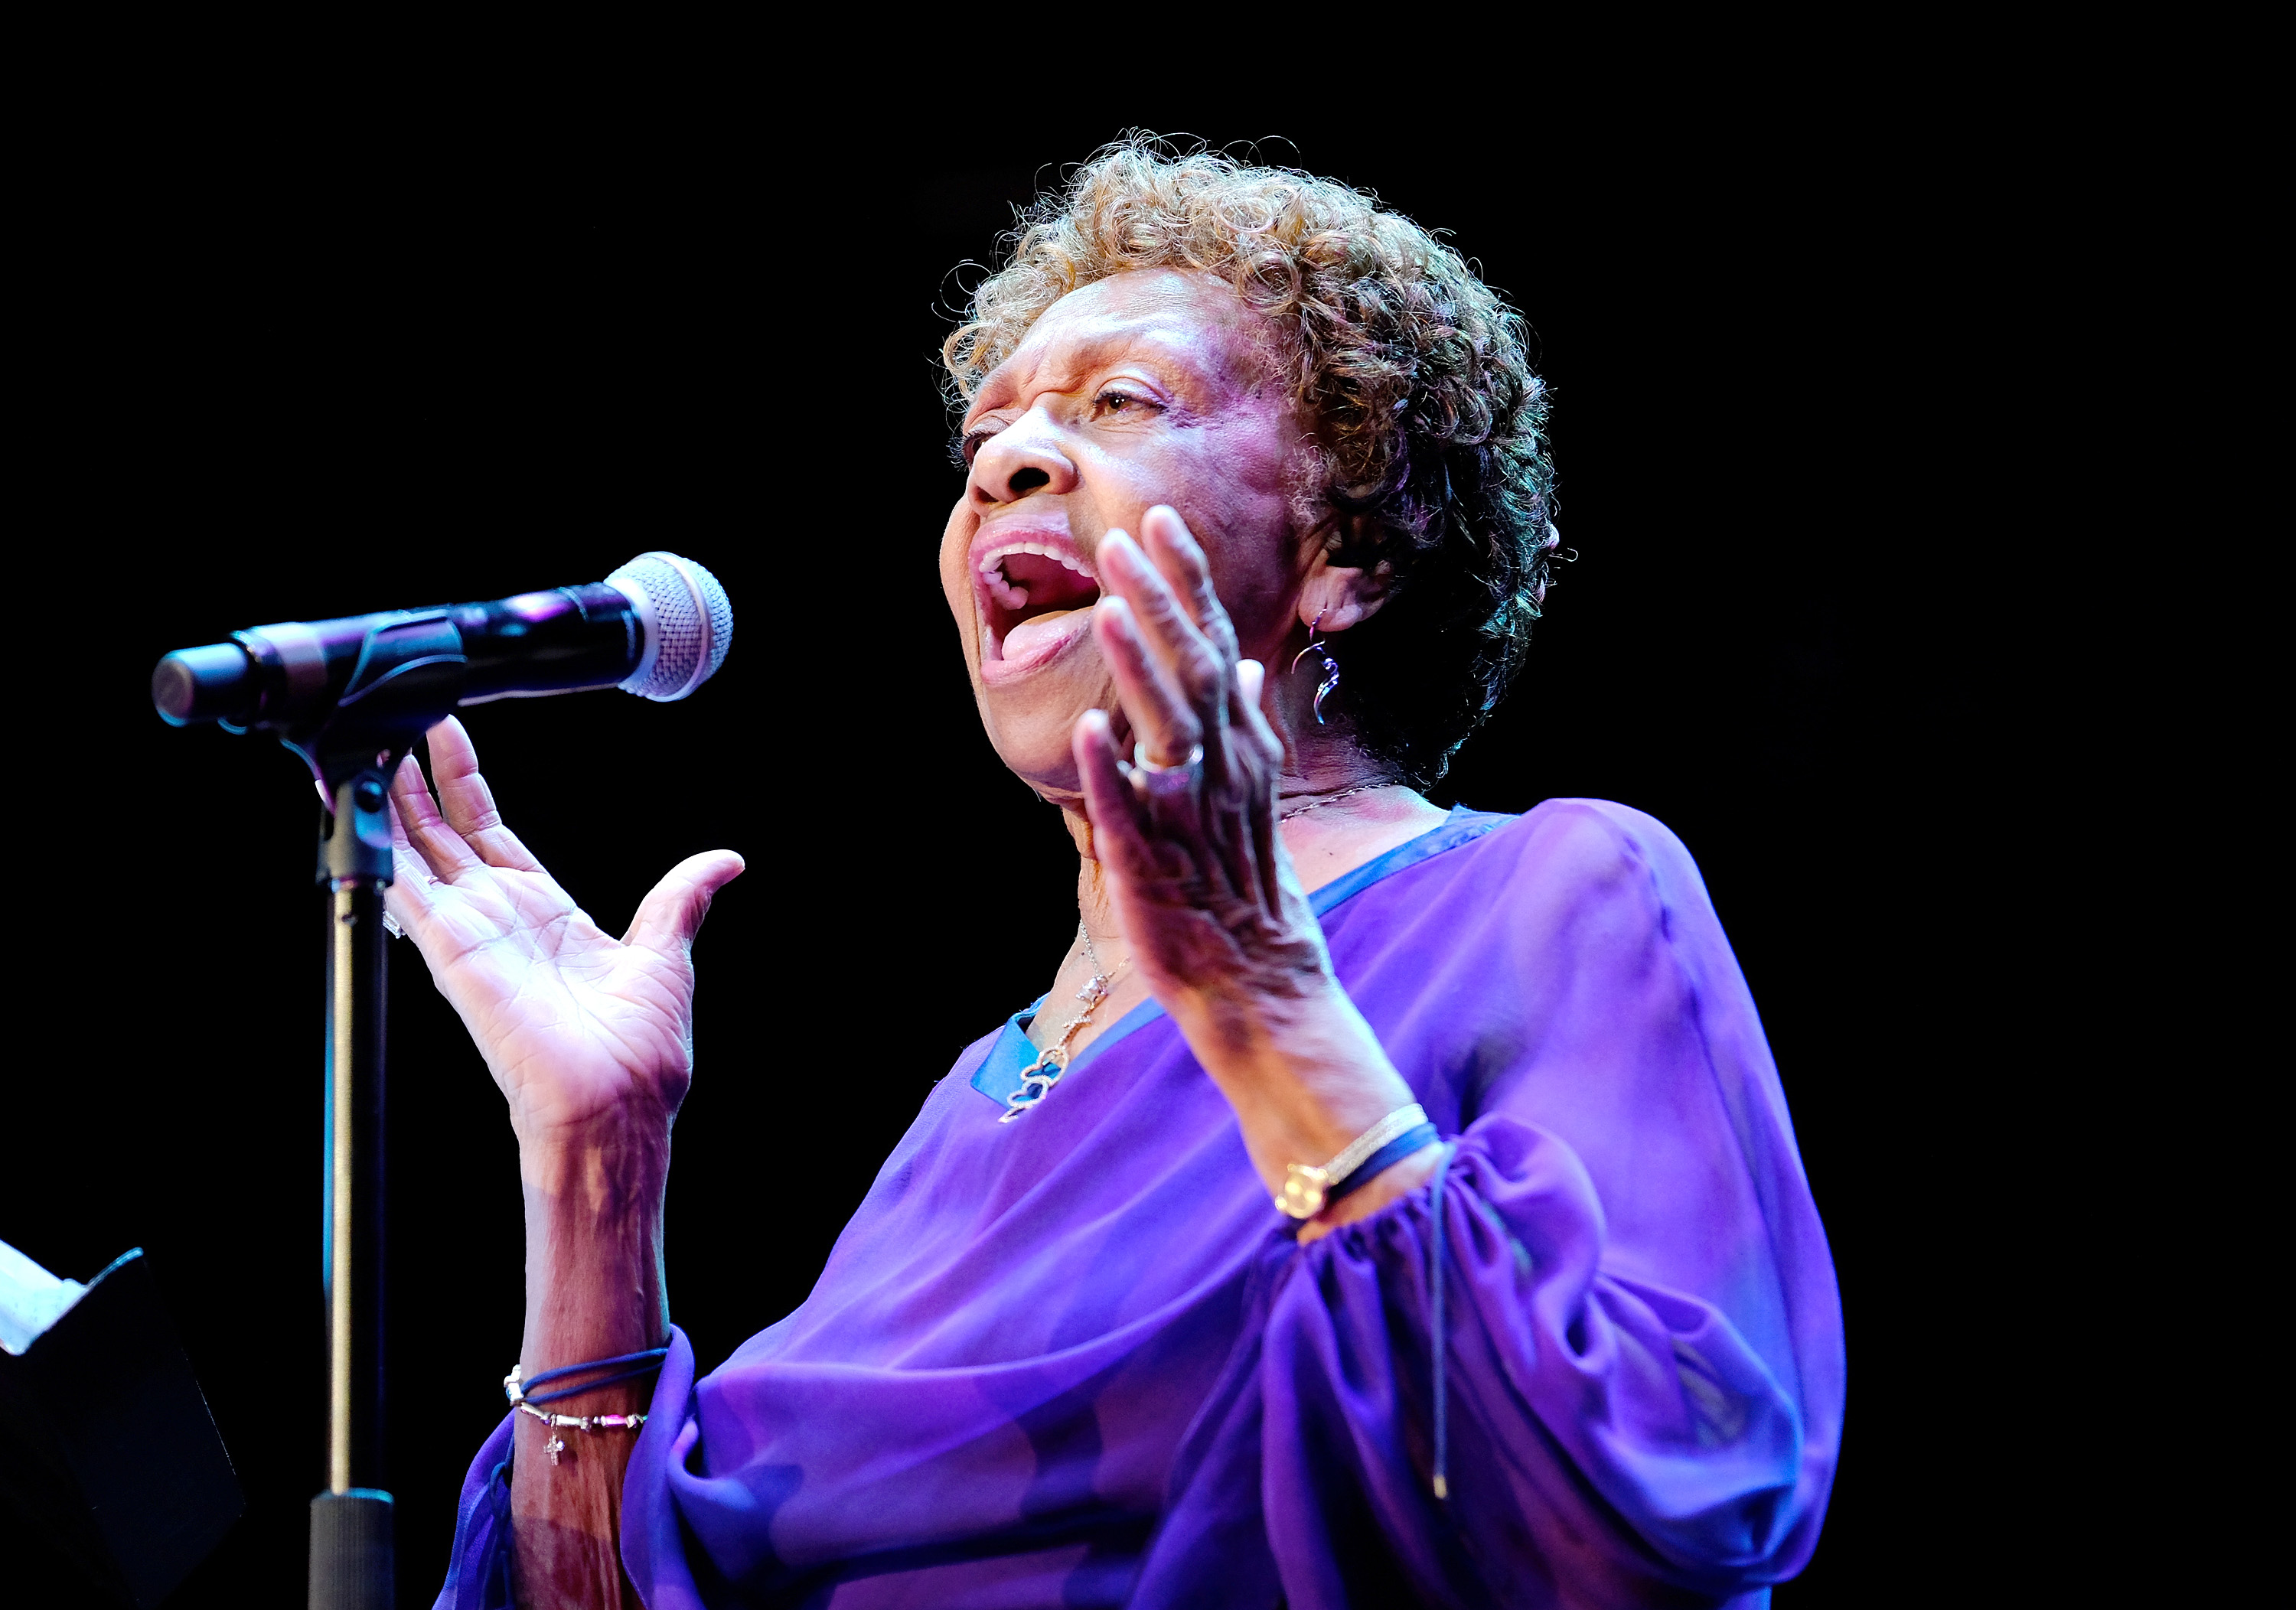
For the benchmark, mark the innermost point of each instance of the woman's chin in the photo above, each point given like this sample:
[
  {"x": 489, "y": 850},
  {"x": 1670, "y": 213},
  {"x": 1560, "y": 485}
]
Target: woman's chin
[
  {"x": 1036, "y": 681},
  {"x": 1034, "y": 739},
  {"x": 1035, "y": 750}
]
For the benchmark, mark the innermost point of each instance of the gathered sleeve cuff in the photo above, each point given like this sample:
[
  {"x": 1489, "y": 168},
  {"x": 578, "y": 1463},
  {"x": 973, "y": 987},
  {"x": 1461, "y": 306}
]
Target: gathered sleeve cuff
[
  {"x": 1598, "y": 1429},
  {"x": 667, "y": 1563},
  {"x": 478, "y": 1573}
]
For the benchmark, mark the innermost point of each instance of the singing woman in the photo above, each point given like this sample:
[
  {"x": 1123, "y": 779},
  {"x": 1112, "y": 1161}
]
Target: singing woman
[{"x": 1381, "y": 1207}]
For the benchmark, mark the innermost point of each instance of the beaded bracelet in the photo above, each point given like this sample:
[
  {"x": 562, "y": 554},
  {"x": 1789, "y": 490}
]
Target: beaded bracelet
[{"x": 522, "y": 1400}]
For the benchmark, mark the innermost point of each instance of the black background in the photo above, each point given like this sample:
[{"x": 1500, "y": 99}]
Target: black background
[{"x": 279, "y": 377}]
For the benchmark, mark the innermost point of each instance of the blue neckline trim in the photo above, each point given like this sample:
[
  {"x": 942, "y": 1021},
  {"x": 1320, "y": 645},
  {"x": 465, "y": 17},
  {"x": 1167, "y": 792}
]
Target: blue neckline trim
[
  {"x": 1014, "y": 1051},
  {"x": 1461, "y": 826}
]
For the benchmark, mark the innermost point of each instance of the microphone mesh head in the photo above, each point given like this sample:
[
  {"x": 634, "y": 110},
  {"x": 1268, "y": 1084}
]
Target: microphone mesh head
[{"x": 689, "y": 623}]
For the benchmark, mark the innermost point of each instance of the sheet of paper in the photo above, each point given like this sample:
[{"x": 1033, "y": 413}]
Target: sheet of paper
[{"x": 31, "y": 1299}]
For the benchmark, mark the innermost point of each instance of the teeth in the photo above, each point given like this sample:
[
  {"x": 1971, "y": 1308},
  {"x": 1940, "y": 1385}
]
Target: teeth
[{"x": 992, "y": 563}]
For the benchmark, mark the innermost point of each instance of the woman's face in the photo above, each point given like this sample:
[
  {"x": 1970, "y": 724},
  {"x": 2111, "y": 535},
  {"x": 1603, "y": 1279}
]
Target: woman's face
[{"x": 1147, "y": 388}]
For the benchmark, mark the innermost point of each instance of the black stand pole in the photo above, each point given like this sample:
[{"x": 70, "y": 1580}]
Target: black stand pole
[
  {"x": 353, "y": 1557},
  {"x": 409, "y": 674},
  {"x": 351, "y": 719}
]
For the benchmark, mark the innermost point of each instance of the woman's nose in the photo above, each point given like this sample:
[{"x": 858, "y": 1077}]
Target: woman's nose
[{"x": 1024, "y": 457}]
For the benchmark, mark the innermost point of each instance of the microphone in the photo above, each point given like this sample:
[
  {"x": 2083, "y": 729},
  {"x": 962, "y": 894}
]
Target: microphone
[{"x": 657, "y": 627}]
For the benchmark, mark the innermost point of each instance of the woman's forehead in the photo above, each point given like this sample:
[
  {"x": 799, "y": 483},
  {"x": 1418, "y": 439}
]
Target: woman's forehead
[{"x": 1191, "y": 321}]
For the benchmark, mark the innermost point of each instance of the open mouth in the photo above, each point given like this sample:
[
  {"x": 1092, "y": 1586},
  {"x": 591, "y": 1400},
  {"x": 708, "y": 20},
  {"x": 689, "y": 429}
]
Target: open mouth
[{"x": 1036, "y": 598}]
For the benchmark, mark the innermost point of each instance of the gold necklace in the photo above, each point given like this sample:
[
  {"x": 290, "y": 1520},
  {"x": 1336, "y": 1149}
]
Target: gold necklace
[{"x": 1361, "y": 788}]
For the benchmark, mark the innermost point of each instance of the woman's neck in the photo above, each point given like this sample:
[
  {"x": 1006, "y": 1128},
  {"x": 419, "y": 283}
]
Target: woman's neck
[
  {"x": 1329, "y": 841},
  {"x": 1364, "y": 817},
  {"x": 1333, "y": 818}
]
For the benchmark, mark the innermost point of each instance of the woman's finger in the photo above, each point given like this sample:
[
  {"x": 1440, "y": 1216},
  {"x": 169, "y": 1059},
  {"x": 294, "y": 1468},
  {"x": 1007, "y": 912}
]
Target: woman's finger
[
  {"x": 427, "y": 833},
  {"x": 1194, "y": 631},
  {"x": 669, "y": 917},
  {"x": 407, "y": 864},
  {"x": 1247, "y": 716},
  {"x": 1162, "y": 719},
  {"x": 1118, "y": 842},
  {"x": 1248, "y": 723},
  {"x": 1250, "y": 677},
  {"x": 408, "y": 897},
  {"x": 1190, "y": 663},
  {"x": 1179, "y": 559},
  {"x": 1164, "y": 620},
  {"x": 469, "y": 804}
]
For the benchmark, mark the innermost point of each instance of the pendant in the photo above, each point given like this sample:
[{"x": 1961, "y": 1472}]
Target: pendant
[
  {"x": 1035, "y": 1084},
  {"x": 555, "y": 1446},
  {"x": 1037, "y": 1079}
]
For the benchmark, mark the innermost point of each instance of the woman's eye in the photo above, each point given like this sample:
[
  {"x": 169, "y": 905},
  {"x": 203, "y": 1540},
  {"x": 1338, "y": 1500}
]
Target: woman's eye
[
  {"x": 1114, "y": 401},
  {"x": 968, "y": 444}
]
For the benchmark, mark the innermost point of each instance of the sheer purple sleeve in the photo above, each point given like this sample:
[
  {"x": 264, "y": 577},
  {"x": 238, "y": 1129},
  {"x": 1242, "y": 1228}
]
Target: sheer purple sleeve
[
  {"x": 478, "y": 1574},
  {"x": 1641, "y": 1364}
]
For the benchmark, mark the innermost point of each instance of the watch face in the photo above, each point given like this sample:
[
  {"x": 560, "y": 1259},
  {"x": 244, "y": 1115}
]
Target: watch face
[{"x": 1303, "y": 1190}]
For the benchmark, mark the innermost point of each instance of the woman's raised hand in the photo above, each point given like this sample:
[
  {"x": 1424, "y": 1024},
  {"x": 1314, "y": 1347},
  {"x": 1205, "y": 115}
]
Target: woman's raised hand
[
  {"x": 1206, "y": 895},
  {"x": 576, "y": 1025},
  {"x": 1202, "y": 886}
]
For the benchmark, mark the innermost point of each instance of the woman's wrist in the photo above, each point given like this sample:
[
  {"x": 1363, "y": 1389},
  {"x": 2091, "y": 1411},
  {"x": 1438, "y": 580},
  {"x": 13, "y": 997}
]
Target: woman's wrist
[
  {"x": 613, "y": 1157},
  {"x": 595, "y": 1278},
  {"x": 1303, "y": 1070},
  {"x": 1394, "y": 1183}
]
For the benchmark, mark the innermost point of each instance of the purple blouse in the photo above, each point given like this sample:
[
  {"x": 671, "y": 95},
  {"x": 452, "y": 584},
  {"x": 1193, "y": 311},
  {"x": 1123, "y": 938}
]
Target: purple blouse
[{"x": 1077, "y": 1360}]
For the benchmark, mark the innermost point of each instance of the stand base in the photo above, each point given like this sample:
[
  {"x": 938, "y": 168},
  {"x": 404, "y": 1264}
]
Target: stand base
[{"x": 352, "y": 1558}]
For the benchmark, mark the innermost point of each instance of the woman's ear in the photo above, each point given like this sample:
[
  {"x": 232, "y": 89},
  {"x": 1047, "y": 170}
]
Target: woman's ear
[{"x": 1344, "y": 595}]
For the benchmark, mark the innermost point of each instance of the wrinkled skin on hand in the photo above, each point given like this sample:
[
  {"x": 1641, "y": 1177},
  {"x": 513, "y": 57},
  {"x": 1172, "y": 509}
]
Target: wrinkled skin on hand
[
  {"x": 575, "y": 1024},
  {"x": 1197, "y": 871},
  {"x": 1206, "y": 894}
]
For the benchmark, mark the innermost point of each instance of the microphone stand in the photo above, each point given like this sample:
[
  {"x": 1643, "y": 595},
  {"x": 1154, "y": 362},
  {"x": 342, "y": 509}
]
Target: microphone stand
[
  {"x": 413, "y": 668},
  {"x": 409, "y": 675},
  {"x": 353, "y": 1559}
]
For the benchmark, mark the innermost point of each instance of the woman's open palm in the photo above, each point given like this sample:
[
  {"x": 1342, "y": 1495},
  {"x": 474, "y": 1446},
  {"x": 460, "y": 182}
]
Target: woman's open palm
[{"x": 575, "y": 1024}]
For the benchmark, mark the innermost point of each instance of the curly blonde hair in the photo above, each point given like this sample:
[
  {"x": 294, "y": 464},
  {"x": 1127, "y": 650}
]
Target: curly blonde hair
[{"x": 1429, "y": 420}]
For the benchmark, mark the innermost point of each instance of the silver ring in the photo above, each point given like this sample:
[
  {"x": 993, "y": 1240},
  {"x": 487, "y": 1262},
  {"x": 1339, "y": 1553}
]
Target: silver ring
[{"x": 1140, "y": 759}]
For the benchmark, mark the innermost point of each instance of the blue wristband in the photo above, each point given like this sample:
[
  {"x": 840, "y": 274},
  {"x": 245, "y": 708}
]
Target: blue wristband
[
  {"x": 646, "y": 1363},
  {"x": 1409, "y": 1141}
]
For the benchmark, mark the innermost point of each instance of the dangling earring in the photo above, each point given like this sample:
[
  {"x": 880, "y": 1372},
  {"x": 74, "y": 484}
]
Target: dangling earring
[{"x": 1330, "y": 667}]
